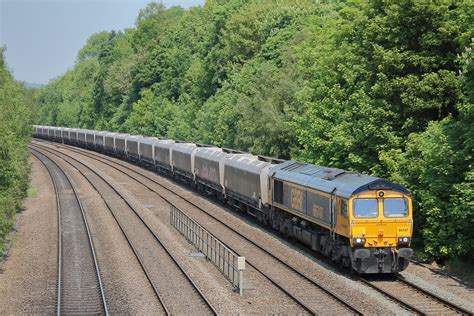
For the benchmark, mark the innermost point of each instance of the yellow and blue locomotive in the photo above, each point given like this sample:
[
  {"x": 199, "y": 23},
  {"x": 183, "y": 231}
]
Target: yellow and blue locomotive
[{"x": 360, "y": 221}]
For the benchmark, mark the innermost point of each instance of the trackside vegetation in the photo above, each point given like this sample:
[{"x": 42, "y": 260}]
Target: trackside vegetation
[
  {"x": 15, "y": 132},
  {"x": 381, "y": 87}
]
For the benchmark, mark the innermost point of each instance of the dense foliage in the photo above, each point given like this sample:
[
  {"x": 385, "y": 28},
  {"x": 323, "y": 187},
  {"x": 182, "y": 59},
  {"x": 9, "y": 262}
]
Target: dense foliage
[
  {"x": 384, "y": 88},
  {"x": 15, "y": 132}
]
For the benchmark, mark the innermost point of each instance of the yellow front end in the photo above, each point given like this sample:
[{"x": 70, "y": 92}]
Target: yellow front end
[
  {"x": 377, "y": 228},
  {"x": 381, "y": 223}
]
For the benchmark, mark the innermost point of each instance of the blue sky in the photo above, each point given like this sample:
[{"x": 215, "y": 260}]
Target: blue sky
[{"x": 43, "y": 36}]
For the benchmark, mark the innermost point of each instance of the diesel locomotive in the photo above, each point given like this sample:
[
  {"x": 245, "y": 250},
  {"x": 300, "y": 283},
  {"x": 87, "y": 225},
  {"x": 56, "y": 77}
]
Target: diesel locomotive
[{"x": 361, "y": 222}]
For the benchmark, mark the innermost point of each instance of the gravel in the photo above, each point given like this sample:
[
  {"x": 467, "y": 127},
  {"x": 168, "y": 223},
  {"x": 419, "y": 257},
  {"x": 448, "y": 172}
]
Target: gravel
[
  {"x": 441, "y": 284},
  {"x": 28, "y": 276}
]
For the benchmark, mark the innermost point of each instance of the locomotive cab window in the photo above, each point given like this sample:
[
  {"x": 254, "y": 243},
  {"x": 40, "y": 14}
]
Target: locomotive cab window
[
  {"x": 278, "y": 191},
  {"x": 395, "y": 207},
  {"x": 365, "y": 208}
]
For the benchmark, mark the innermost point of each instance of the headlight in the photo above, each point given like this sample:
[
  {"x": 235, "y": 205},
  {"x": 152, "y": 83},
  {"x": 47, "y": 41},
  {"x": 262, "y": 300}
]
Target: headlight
[
  {"x": 403, "y": 240},
  {"x": 358, "y": 241}
]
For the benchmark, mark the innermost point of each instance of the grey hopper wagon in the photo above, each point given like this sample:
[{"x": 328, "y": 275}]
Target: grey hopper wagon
[
  {"x": 65, "y": 133},
  {"x": 145, "y": 148},
  {"x": 99, "y": 140},
  {"x": 38, "y": 131},
  {"x": 109, "y": 139},
  {"x": 57, "y": 133},
  {"x": 73, "y": 135},
  {"x": 131, "y": 146},
  {"x": 246, "y": 179},
  {"x": 182, "y": 159},
  {"x": 162, "y": 154},
  {"x": 120, "y": 143},
  {"x": 90, "y": 138},
  {"x": 209, "y": 167},
  {"x": 51, "y": 132},
  {"x": 81, "y": 136}
]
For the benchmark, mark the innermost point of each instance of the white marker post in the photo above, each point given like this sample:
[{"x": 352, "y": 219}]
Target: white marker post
[{"x": 241, "y": 268}]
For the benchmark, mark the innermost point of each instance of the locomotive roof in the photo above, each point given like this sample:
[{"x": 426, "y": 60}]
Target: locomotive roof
[{"x": 343, "y": 183}]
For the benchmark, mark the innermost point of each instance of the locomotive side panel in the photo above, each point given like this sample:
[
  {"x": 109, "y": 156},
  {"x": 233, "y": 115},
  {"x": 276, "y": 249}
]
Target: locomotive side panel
[
  {"x": 311, "y": 205},
  {"x": 319, "y": 207},
  {"x": 65, "y": 133}
]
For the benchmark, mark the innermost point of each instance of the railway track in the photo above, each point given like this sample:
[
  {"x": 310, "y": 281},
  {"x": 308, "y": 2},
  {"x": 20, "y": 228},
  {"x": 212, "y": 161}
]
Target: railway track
[
  {"x": 165, "y": 274},
  {"x": 303, "y": 287},
  {"x": 79, "y": 285},
  {"x": 413, "y": 297}
]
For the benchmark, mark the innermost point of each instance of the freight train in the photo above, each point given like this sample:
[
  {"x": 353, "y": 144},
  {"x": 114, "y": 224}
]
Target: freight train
[{"x": 359, "y": 221}]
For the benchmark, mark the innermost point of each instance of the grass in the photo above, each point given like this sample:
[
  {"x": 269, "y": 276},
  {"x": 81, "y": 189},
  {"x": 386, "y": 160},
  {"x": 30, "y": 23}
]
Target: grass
[{"x": 32, "y": 192}]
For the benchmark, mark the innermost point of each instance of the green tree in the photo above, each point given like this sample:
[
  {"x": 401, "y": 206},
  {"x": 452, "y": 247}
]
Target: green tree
[{"x": 15, "y": 131}]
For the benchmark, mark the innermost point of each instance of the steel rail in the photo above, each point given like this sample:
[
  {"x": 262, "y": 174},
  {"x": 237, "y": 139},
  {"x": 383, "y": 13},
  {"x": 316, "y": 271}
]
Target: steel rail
[
  {"x": 404, "y": 303},
  {"x": 443, "y": 301},
  {"x": 89, "y": 237},
  {"x": 329, "y": 292},
  {"x": 194, "y": 285}
]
